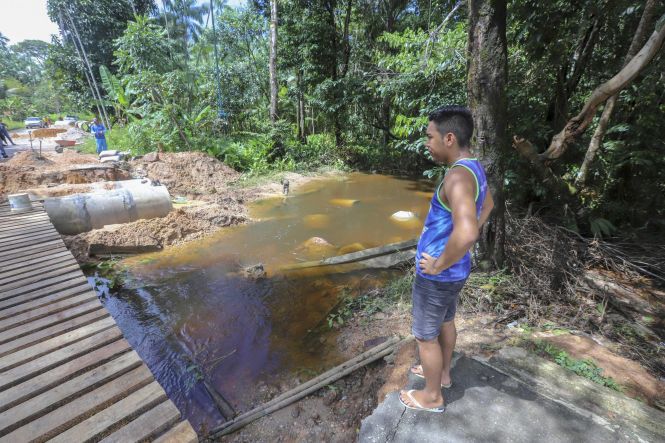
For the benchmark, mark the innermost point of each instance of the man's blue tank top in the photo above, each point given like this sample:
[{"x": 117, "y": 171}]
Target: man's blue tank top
[{"x": 439, "y": 225}]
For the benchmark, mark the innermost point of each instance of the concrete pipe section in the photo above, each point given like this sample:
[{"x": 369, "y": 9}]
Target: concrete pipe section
[{"x": 78, "y": 213}]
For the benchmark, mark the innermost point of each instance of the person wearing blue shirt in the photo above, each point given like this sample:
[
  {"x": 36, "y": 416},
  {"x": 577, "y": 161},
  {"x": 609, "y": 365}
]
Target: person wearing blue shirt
[
  {"x": 99, "y": 130},
  {"x": 459, "y": 207}
]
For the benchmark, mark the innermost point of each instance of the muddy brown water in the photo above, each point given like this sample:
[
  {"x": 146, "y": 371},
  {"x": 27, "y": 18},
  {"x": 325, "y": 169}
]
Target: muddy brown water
[{"x": 193, "y": 315}]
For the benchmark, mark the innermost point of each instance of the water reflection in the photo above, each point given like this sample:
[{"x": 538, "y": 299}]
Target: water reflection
[{"x": 193, "y": 314}]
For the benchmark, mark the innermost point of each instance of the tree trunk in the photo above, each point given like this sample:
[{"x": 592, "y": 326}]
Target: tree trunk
[
  {"x": 302, "y": 130},
  {"x": 487, "y": 75},
  {"x": 273, "y": 61},
  {"x": 597, "y": 139}
]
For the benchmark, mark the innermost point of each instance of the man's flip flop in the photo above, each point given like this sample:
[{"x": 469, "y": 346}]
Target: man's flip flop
[
  {"x": 449, "y": 385},
  {"x": 418, "y": 406}
]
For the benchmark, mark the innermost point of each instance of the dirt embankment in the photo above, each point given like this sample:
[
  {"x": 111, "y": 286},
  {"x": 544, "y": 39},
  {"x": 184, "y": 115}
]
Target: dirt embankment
[
  {"x": 201, "y": 182},
  {"x": 27, "y": 170},
  {"x": 206, "y": 197}
]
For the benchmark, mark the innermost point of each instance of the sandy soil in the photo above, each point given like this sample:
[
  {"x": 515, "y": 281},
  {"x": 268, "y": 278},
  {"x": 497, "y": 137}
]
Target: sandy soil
[{"x": 27, "y": 170}]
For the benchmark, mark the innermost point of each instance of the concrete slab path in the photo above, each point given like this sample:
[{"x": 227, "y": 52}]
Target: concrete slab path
[{"x": 484, "y": 405}]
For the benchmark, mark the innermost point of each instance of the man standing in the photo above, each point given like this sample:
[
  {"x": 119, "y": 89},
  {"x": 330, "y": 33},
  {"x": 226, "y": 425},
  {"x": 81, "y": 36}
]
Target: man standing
[
  {"x": 5, "y": 133},
  {"x": 98, "y": 129},
  {"x": 459, "y": 207}
]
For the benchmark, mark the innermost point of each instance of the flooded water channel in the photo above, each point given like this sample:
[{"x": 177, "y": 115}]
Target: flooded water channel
[{"x": 194, "y": 316}]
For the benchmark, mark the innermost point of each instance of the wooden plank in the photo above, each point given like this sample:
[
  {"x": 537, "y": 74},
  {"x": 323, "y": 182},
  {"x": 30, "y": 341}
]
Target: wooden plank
[
  {"x": 8, "y": 222},
  {"x": 60, "y": 374},
  {"x": 24, "y": 215},
  {"x": 88, "y": 430},
  {"x": 29, "y": 272},
  {"x": 76, "y": 273},
  {"x": 31, "y": 304},
  {"x": 28, "y": 250},
  {"x": 50, "y": 320},
  {"x": 23, "y": 237},
  {"x": 9, "y": 233},
  {"x": 11, "y": 248},
  {"x": 19, "y": 260},
  {"x": 180, "y": 433},
  {"x": 46, "y": 333},
  {"x": 87, "y": 298},
  {"x": 24, "y": 225},
  {"x": 45, "y": 274},
  {"x": 67, "y": 391},
  {"x": 151, "y": 423},
  {"x": 43, "y": 292},
  {"x": 28, "y": 370},
  {"x": 19, "y": 268},
  {"x": 79, "y": 409},
  {"x": 60, "y": 341}
]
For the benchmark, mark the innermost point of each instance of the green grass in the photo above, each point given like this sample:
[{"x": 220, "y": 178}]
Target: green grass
[
  {"x": 395, "y": 295},
  {"x": 13, "y": 124},
  {"x": 586, "y": 368},
  {"x": 117, "y": 138}
]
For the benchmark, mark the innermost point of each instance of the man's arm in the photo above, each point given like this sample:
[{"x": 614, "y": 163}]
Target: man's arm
[
  {"x": 488, "y": 205},
  {"x": 460, "y": 190}
]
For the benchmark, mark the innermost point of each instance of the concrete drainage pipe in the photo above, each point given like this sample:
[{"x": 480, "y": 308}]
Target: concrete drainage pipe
[{"x": 78, "y": 213}]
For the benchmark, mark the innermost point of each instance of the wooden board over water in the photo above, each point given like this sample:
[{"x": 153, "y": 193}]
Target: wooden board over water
[{"x": 66, "y": 372}]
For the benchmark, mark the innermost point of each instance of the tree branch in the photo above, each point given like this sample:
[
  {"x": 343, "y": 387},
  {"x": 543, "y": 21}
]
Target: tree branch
[{"x": 578, "y": 124}]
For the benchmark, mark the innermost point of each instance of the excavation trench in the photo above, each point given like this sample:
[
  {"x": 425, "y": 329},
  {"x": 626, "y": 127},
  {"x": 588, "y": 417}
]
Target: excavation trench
[{"x": 204, "y": 316}]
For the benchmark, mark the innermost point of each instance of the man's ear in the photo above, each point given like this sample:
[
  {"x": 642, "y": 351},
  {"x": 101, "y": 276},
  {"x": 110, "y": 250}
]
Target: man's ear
[{"x": 449, "y": 138}]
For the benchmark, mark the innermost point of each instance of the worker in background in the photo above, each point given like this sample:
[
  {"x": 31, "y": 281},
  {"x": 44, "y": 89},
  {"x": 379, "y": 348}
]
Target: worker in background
[
  {"x": 99, "y": 131},
  {"x": 5, "y": 133}
]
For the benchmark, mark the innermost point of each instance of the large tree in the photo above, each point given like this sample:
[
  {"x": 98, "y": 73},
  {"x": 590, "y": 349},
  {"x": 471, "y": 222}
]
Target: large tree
[{"x": 487, "y": 76}]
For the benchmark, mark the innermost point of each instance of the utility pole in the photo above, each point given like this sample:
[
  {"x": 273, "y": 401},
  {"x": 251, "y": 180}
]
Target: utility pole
[
  {"x": 220, "y": 112},
  {"x": 273, "y": 61},
  {"x": 85, "y": 71},
  {"x": 89, "y": 66}
]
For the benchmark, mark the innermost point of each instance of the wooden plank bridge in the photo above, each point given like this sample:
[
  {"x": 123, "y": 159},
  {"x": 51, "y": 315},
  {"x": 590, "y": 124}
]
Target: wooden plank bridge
[{"x": 66, "y": 372}]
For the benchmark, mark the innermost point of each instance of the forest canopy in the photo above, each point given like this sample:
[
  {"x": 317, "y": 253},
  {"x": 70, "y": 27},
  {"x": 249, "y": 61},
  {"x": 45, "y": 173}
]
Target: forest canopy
[{"x": 350, "y": 84}]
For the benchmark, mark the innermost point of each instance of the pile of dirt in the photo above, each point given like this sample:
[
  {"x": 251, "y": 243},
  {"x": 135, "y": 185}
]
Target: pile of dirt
[
  {"x": 73, "y": 134},
  {"x": 194, "y": 175},
  {"x": 179, "y": 226},
  {"x": 26, "y": 170}
]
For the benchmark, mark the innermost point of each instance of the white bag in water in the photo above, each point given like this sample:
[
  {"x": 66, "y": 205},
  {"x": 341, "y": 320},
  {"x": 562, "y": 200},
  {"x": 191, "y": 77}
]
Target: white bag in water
[{"x": 403, "y": 216}]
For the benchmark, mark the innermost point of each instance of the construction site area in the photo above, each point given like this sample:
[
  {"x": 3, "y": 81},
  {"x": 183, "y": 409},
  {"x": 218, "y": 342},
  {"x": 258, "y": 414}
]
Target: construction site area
[{"x": 191, "y": 277}]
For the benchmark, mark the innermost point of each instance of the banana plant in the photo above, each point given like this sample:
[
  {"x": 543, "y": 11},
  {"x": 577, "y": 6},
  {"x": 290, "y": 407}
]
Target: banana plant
[{"x": 118, "y": 96}]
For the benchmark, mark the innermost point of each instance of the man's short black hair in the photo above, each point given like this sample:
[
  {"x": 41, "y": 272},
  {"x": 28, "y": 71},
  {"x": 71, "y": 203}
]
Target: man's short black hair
[{"x": 455, "y": 119}]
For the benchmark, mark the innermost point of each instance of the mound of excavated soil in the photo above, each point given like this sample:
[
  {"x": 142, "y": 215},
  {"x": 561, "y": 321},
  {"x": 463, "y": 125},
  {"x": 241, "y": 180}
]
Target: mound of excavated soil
[
  {"x": 179, "y": 226},
  {"x": 25, "y": 170},
  {"x": 195, "y": 175}
]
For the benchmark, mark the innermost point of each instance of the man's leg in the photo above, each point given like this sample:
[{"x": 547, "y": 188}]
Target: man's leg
[
  {"x": 428, "y": 316},
  {"x": 447, "y": 340}
]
